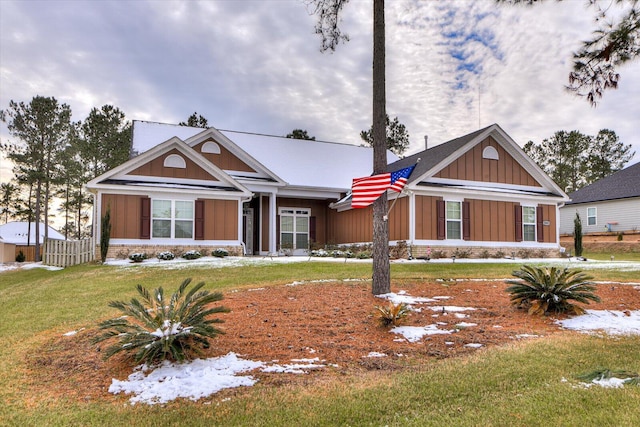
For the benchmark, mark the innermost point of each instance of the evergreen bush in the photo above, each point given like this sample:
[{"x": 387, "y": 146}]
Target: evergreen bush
[
  {"x": 155, "y": 329},
  {"x": 577, "y": 235},
  {"x": 543, "y": 290}
]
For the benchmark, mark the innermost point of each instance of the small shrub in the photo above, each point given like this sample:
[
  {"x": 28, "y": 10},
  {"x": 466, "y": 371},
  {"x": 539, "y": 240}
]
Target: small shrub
[
  {"x": 436, "y": 254},
  {"x": 462, "y": 253},
  {"x": 364, "y": 255},
  {"x": 156, "y": 329},
  {"x": 192, "y": 254},
  {"x": 321, "y": 253},
  {"x": 20, "y": 257},
  {"x": 543, "y": 289},
  {"x": 392, "y": 314},
  {"x": 525, "y": 253},
  {"x": 540, "y": 253},
  {"x": 620, "y": 236},
  {"x": 499, "y": 254},
  {"x": 166, "y": 256},
  {"x": 138, "y": 257},
  {"x": 485, "y": 254},
  {"x": 220, "y": 253},
  {"x": 400, "y": 250}
]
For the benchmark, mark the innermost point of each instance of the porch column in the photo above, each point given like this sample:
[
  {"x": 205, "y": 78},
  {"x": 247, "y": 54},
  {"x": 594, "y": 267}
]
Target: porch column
[{"x": 272, "y": 223}]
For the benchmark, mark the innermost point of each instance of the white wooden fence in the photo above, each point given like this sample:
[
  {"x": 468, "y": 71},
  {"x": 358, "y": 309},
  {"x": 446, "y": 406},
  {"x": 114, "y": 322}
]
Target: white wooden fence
[{"x": 65, "y": 253}]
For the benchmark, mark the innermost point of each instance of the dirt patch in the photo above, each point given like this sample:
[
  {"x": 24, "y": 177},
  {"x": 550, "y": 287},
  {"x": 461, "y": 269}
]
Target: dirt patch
[{"x": 334, "y": 322}]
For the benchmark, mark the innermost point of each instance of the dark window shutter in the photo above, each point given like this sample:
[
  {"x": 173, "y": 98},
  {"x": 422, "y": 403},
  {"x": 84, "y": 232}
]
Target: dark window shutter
[
  {"x": 277, "y": 231},
  {"x": 440, "y": 210},
  {"x": 539, "y": 229},
  {"x": 312, "y": 229},
  {"x": 199, "y": 220},
  {"x": 518, "y": 221},
  {"x": 466, "y": 221},
  {"x": 145, "y": 218}
]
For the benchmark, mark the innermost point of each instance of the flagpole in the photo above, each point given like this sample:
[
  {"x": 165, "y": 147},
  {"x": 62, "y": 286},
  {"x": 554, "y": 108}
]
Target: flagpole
[{"x": 386, "y": 217}]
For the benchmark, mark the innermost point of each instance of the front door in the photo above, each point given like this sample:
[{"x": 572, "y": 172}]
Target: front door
[{"x": 294, "y": 230}]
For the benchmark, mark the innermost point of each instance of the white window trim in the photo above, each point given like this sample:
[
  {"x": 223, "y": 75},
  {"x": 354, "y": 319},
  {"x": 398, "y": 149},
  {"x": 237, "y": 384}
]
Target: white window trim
[
  {"x": 173, "y": 218},
  {"x": 594, "y": 216},
  {"x": 210, "y": 147},
  {"x": 534, "y": 223},
  {"x": 175, "y": 161},
  {"x": 446, "y": 220},
  {"x": 490, "y": 153}
]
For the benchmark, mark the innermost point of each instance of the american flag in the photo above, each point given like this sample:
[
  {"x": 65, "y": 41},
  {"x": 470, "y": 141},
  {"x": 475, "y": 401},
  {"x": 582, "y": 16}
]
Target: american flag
[{"x": 365, "y": 191}]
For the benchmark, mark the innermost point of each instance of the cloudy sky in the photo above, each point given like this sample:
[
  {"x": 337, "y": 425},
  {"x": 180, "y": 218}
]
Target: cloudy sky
[{"x": 256, "y": 66}]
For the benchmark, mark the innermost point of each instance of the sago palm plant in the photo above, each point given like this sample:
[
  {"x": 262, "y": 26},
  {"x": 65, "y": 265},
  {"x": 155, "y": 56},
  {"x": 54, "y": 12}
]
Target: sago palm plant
[
  {"x": 154, "y": 329},
  {"x": 392, "y": 314},
  {"x": 544, "y": 289}
]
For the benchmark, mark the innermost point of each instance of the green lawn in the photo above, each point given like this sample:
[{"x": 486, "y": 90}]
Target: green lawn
[{"x": 516, "y": 385}]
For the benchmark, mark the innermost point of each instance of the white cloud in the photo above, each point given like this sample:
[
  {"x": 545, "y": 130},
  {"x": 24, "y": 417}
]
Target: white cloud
[{"x": 256, "y": 66}]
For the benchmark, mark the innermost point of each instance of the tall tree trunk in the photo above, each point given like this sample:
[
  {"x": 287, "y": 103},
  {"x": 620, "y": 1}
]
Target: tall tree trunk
[
  {"x": 37, "y": 219},
  {"x": 381, "y": 267}
]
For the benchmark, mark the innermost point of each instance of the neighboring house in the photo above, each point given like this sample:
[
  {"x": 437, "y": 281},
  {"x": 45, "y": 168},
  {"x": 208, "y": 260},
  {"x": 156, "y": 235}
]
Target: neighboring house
[
  {"x": 195, "y": 188},
  {"x": 23, "y": 237},
  {"x": 611, "y": 204}
]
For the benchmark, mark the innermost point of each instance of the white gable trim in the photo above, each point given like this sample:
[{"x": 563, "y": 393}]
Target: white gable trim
[
  {"x": 122, "y": 171},
  {"x": 233, "y": 148},
  {"x": 510, "y": 146}
]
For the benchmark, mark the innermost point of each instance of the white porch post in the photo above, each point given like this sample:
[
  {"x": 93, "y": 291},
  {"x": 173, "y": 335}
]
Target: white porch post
[
  {"x": 412, "y": 217},
  {"x": 272, "y": 223}
]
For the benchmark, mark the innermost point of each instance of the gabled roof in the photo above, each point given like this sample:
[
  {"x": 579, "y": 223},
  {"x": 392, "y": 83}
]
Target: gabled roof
[
  {"x": 434, "y": 159},
  {"x": 298, "y": 163},
  {"x": 121, "y": 175},
  {"x": 623, "y": 184},
  {"x": 18, "y": 233}
]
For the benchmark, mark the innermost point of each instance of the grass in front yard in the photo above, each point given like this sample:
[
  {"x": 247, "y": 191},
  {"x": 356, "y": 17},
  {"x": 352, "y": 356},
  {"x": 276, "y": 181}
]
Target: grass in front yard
[{"x": 519, "y": 384}]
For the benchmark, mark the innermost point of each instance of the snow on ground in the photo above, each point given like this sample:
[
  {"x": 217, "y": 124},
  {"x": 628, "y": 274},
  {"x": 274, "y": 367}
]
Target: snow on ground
[
  {"x": 613, "y": 322},
  {"x": 202, "y": 378},
  {"x": 199, "y": 378}
]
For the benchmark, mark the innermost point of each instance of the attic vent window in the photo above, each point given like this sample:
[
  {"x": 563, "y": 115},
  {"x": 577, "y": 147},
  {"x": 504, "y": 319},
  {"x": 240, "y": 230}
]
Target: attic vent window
[
  {"x": 210, "y": 147},
  {"x": 175, "y": 161},
  {"x": 490, "y": 153}
]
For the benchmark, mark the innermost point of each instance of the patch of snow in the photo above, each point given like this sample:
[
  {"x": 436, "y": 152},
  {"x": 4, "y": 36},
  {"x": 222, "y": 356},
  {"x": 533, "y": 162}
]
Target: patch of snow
[
  {"x": 613, "y": 322},
  {"x": 474, "y": 345},
  {"x": 402, "y": 297},
  {"x": 521, "y": 336},
  {"x": 451, "y": 308},
  {"x": 415, "y": 333},
  {"x": 375, "y": 354},
  {"x": 194, "y": 380},
  {"x": 465, "y": 325}
]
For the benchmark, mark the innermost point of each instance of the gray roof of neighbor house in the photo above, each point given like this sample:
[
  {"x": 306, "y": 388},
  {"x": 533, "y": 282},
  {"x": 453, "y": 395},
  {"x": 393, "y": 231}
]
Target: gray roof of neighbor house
[
  {"x": 432, "y": 156},
  {"x": 621, "y": 185}
]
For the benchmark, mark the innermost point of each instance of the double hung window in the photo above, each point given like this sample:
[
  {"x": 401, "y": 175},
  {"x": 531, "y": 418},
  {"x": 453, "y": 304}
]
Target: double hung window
[
  {"x": 172, "y": 219},
  {"x": 591, "y": 216},
  {"x": 529, "y": 223},
  {"x": 454, "y": 220}
]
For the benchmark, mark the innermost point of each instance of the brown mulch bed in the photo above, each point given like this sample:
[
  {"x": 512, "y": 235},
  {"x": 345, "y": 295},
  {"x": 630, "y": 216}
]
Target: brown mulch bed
[{"x": 334, "y": 322}]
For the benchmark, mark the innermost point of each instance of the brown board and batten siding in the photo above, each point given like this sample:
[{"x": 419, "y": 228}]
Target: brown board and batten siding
[
  {"x": 225, "y": 160},
  {"x": 426, "y": 219},
  {"x": 156, "y": 167},
  {"x": 549, "y": 231},
  {"x": 125, "y": 214},
  {"x": 492, "y": 221},
  {"x": 356, "y": 225},
  {"x": 471, "y": 166},
  {"x": 220, "y": 219}
]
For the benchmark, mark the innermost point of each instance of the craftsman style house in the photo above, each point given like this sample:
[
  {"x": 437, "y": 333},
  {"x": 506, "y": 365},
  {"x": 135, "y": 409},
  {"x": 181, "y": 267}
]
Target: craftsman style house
[{"x": 193, "y": 188}]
